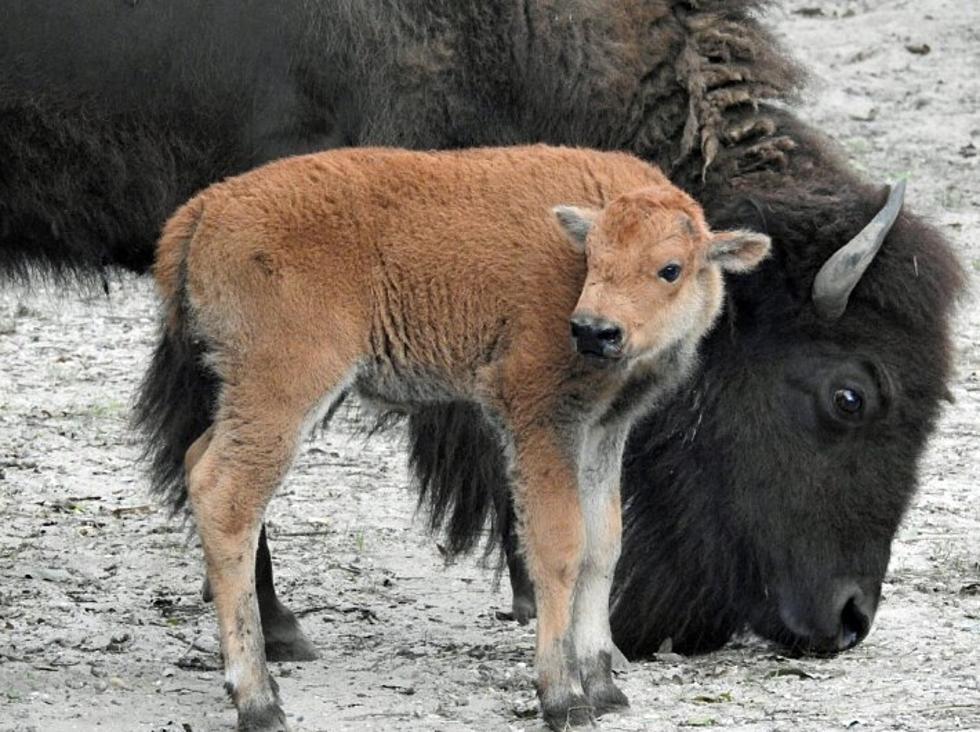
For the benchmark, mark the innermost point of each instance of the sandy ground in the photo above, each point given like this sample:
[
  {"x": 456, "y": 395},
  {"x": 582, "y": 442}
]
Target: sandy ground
[{"x": 101, "y": 625}]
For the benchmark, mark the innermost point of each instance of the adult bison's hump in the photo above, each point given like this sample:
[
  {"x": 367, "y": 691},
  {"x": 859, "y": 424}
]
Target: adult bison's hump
[
  {"x": 101, "y": 182},
  {"x": 118, "y": 112},
  {"x": 136, "y": 55}
]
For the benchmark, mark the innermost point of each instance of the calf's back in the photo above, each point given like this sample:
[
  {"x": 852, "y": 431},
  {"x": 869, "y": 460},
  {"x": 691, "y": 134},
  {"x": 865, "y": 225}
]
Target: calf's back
[{"x": 359, "y": 240}]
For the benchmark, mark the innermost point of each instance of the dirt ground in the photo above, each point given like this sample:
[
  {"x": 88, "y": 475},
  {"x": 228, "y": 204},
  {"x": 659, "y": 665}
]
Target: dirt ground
[{"x": 101, "y": 625}]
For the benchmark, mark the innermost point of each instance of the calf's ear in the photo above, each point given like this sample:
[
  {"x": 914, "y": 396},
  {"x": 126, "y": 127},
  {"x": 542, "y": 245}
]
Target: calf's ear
[
  {"x": 739, "y": 250},
  {"x": 576, "y": 222}
]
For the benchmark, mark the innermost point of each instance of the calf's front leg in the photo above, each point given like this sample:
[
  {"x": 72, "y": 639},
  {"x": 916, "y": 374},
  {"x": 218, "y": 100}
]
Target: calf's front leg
[
  {"x": 552, "y": 533},
  {"x": 522, "y": 590},
  {"x": 599, "y": 474}
]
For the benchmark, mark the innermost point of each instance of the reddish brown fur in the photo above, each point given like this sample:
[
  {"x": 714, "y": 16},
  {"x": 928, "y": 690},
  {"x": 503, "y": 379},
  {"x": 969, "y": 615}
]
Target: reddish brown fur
[
  {"x": 419, "y": 277},
  {"x": 638, "y": 299}
]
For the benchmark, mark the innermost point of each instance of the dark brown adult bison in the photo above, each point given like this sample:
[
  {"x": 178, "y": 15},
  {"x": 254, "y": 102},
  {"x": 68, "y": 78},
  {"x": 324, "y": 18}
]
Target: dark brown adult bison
[{"x": 768, "y": 492}]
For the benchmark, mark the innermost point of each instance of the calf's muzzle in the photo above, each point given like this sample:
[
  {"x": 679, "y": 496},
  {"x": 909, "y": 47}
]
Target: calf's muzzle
[{"x": 594, "y": 336}]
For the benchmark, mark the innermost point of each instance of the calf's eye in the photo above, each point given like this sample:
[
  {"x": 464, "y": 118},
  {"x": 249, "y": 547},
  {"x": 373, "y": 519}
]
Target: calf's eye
[
  {"x": 670, "y": 273},
  {"x": 848, "y": 401}
]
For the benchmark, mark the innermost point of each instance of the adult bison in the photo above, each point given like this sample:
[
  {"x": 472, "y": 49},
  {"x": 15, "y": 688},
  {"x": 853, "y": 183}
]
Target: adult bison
[{"x": 768, "y": 492}]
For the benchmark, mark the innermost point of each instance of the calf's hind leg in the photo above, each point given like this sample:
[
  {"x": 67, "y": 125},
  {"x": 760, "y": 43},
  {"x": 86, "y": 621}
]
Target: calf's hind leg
[
  {"x": 522, "y": 589},
  {"x": 251, "y": 445},
  {"x": 284, "y": 638}
]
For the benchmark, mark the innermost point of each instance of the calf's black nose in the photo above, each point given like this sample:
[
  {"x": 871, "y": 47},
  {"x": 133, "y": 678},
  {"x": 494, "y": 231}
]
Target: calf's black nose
[{"x": 597, "y": 336}]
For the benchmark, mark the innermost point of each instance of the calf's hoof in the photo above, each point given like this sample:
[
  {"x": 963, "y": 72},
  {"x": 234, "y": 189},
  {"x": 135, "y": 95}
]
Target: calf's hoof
[
  {"x": 605, "y": 697},
  {"x": 263, "y": 719},
  {"x": 563, "y": 710},
  {"x": 297, "y": 648},
  {"x": 523, "y": 609},
  {"x": 600, "y": 690},
  {"x": 619, "y": 661},
  {"x": 284, "y": 639}
]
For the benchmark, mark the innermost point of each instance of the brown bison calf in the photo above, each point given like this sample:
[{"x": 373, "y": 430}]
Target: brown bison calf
[{"x": 419, "y": 277}]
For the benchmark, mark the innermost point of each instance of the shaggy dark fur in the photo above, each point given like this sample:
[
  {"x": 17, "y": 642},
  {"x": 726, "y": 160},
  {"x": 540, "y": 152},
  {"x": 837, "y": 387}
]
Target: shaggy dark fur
[
  {"x": 751, "y": 499},
  {"x": 113, "y": 114}
]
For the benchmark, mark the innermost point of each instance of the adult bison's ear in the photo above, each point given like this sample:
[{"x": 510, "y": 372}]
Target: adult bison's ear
[
  {"x": 577, "y": 222},
  {"x": 739, "y": 250}
]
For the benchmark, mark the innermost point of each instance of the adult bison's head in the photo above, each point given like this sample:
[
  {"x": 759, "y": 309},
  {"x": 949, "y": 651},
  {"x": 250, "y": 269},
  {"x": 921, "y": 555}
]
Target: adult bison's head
[
  {"x": 769, "y": 492},
  {"x": 828, "y": 527}
]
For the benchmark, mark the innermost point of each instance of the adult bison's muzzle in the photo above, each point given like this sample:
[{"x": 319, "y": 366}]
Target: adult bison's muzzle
[
  {"x": 596, "y": 337},
  {"x": 833, "y": 621}
]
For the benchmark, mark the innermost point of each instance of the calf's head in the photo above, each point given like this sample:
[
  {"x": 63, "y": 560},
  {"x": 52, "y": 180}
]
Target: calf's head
[{"x": 654, "y": 271}]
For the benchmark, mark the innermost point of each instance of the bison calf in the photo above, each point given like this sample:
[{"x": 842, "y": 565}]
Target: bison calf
[{"x": 559, "y": 289}]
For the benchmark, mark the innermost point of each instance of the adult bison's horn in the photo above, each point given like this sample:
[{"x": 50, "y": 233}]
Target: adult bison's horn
[{"x": 842, "y": 271}]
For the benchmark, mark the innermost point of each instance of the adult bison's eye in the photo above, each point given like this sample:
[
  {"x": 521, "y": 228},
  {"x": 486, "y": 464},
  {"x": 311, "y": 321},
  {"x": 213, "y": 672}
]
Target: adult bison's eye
[
  {"x": 670, "y": 273},
  {"x": 848, "y": 401}
]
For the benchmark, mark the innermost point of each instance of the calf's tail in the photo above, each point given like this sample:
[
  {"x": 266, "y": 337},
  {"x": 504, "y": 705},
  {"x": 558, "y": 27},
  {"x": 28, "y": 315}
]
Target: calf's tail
[{"x": 175, "y": 402}]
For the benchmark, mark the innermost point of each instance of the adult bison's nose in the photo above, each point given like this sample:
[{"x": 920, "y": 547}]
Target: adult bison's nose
[
  {"x": 855, "y": 621},
  {"x": 595, "y": 336},
  {"x": 837, "y": 626}
]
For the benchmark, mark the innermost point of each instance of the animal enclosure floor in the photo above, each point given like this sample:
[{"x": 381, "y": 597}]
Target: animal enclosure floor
[{"x": 101, "y": 623}]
